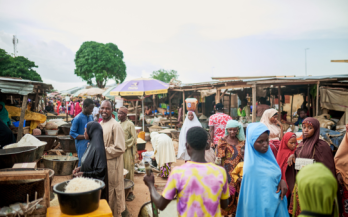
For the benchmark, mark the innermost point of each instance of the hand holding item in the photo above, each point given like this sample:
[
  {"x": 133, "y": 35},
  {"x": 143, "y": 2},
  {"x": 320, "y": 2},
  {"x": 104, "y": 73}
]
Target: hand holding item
[
  {"x": 283, "y": 188},
  {"x": 76, "y": 170},
  {"x": 291, "y": 160},
  {"x": 149, "y": 180},
  {"x": 79, "y": 174}
]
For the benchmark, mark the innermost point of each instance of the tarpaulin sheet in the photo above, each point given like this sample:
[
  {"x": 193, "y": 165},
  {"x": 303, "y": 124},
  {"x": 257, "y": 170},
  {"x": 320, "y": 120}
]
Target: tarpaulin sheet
[
  {"x": 33, "y": 117},
  {"x": 335, "y": 137},
  {"x": 334, "y": 99}
]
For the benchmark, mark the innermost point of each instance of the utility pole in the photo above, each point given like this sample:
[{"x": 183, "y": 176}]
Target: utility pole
[
  {"x": 15, "y": 42},
  {"x": 306, "y": 60}
]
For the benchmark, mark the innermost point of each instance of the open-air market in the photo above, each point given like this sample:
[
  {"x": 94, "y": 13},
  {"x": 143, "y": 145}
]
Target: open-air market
[{"x": 156, "y": 109}]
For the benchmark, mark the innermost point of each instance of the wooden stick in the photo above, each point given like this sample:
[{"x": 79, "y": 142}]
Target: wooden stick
[
  {"x": 136, "y": 113},
  {"x": 183, "y": 106},
  {"x": 279, "y": 115},
  {"x": 254, "y": 103},
  {"x": 21, "y": 120},
  {"x": 317, "y": 102},
  {"x": 292, "y": 102},
  {"x": 170, "y": 109},
  {"x": 36, "y": 101}
]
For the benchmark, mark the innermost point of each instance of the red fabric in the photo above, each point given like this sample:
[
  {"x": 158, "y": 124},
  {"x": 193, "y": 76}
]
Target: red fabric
[
  {"x": 274, "y": 144},
  {"x": 78, "y": 109},
  {"x": 139, "y": 153},
  {"x": 345, "y": 202},
  {"x": 283, "y": 155},
  {"x": 58, "y": 107},
  {"x": 219, "y": 121}
]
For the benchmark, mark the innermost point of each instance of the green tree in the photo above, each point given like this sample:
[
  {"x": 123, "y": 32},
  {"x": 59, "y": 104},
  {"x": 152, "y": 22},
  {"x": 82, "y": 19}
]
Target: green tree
[
  {"x": 164, "y": 75},
  {"x": 100, "y": 62},
  {"x": 18, "y": 67}
]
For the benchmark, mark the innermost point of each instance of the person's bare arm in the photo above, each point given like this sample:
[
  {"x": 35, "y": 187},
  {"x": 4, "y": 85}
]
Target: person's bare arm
[
  {"x": 211, "y": 131},
  {"x": 160, "y": 202}
]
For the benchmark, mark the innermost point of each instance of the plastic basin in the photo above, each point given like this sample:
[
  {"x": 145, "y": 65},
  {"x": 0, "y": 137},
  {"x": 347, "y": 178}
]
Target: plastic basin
[{"x": 78, "y": 203}]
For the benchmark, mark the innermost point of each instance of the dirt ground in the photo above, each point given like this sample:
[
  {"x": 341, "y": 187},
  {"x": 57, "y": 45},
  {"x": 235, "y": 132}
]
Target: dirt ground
[{"x": 141, "y": 192}]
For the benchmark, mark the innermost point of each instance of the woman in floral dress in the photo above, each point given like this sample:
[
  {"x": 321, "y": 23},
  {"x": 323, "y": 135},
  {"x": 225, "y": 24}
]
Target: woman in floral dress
[{"x": 228, "y": 150}]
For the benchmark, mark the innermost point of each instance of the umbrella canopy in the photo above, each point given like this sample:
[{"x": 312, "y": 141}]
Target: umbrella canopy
[
  {"x": 140, "y": 87},
  {"x": 92, "y": 92},
  {"x": 107, "y": 92}
]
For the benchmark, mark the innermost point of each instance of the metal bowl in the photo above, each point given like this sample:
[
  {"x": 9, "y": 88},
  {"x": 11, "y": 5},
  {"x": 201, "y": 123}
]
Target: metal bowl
[
  {"x": 11, "y": 156},
  {"x": 67, "y": 144},
  {"x": 49, "y": 139},
  {"x": 61, "y": 165}
]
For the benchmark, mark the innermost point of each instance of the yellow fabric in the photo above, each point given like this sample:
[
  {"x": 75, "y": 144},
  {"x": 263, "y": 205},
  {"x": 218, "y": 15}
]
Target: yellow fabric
[
  {"x": 103, "y": 211},
  {"x": 35, "y": 118},
  {"x": 238, "y": 171},
  {"x": 141, "y": 135}
]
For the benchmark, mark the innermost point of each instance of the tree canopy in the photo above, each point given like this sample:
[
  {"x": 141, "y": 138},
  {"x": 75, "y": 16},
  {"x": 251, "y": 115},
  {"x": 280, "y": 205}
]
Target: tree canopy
[
  {"x": 17, "y": 67},
  {"x": 164, "y": 75},
  {"x": 100, "y": 62}
]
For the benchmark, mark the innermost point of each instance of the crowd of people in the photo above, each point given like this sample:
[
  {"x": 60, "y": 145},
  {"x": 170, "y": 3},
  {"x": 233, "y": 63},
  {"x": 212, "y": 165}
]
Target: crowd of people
[{"x": 257, "y": 174}]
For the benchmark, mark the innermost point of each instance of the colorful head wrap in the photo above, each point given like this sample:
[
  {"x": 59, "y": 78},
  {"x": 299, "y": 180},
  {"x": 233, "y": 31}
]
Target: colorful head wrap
[{"x": 233, "y": 124}]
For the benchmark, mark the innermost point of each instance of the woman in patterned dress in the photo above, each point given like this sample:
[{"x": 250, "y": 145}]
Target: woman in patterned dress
[{"x": 228, "y": 150}]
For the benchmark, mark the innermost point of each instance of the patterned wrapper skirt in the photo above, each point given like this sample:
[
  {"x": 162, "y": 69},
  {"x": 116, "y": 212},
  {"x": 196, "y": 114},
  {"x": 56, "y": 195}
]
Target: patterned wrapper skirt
[{"x": 165, "y": 170}]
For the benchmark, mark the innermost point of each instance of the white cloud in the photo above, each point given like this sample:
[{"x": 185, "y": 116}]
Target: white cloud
[{"x": 188, "y": 36}]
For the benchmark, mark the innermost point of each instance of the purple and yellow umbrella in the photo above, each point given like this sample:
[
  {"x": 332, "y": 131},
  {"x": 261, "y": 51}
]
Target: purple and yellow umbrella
[{"x": 140, "y": 87}]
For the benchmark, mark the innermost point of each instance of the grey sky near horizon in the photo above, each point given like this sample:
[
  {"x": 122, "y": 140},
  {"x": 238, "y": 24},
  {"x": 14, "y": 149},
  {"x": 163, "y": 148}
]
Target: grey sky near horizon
[{"x": 199, "y": 39}]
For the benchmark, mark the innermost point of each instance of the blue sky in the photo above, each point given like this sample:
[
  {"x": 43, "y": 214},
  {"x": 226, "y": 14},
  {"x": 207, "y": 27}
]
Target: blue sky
[{"x": 199, "y": 39}]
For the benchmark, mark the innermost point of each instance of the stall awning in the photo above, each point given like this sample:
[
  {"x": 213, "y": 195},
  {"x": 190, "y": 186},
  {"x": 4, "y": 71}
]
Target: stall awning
[{"x": 18, "y": 88}]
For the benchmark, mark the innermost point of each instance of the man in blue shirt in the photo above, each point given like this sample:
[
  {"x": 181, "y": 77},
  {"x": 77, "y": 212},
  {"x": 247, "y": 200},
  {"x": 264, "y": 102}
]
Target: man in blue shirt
[{"x": 77, "y": 129}]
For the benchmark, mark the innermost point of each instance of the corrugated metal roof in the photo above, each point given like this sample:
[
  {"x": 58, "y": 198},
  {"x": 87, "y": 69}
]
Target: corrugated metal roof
[
  {"x": 19, "y": 86},
  {"x": 300, "y": 78}
]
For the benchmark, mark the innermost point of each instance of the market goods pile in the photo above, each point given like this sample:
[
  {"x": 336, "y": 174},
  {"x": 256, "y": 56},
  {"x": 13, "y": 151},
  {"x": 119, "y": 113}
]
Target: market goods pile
[
  {"x": 27, "y": 140},
  {"x": 81, "y": 184}
]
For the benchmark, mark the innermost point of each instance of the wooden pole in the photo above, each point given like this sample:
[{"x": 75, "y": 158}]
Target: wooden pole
[
  {"x": 229, "y": 105},
  {"x": 21, "y": 120},
  {"x": 183, "y": 106},
  {"x": 36, "y": 101},
  {"x": 136, "y": 112},
  {"x": 308, "y": 100},
  {"x": 292, "y": 102},
  {"x": 279, "y": 115},
  {"x": 317, "y": 102},
  {"x": 254, "y": 103},
  {"x": 154, "y": 102},
  {"x": 170, "y": 110}
]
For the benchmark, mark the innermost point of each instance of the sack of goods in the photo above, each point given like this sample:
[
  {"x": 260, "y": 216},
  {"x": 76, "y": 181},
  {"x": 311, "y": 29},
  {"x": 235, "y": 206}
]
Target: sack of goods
[{"x": 191, "y": 104}]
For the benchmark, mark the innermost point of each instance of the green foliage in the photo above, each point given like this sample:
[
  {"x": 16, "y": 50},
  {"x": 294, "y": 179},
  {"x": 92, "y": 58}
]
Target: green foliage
[
  {"x": 17, "y": 67},
  {"x": 100, "y": 62},
  {"x": 164, "y": 75}
]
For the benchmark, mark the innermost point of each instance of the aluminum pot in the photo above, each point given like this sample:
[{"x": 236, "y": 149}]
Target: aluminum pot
[
  {"x": 61, "y": 164},
  {"x": 11, "y": 156},
  {"x": 67, "y": 144}
]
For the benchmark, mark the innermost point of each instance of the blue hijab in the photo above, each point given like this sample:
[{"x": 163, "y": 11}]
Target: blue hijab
[{"x": 261, "y": 177}]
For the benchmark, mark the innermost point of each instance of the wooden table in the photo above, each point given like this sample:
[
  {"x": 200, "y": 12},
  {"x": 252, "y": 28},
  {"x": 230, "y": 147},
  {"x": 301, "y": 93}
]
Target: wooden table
[{"x": 103, "y": 211}]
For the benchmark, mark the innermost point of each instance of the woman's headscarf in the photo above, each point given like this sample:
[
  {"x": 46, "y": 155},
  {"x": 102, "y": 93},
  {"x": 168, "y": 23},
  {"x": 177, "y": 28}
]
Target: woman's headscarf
[
  {"x": 233, "y": 124},
  {"x": 341, "y": 160},
  {"x": 273, "y": 129},
  {"x": 284, "y": 153},
  {"x": 93, "y": 161},
  {"x": 261, "y": 177},
  {"x": 4, "y": 115},
  {"x": 322, "y": 153},
  {"x": 317, "y": 189},
  {"x": 153, "y": 136},
  {"x": 182, "y": 138}
]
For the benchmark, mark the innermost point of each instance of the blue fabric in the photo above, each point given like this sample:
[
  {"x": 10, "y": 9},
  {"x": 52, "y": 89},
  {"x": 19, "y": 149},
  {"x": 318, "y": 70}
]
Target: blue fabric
[
  {"x": 78, "y": 128},
  {"x": 299, "y": 121},
  {"x": 261, "y": 176},
  {"x": 336, "y": 138}
]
